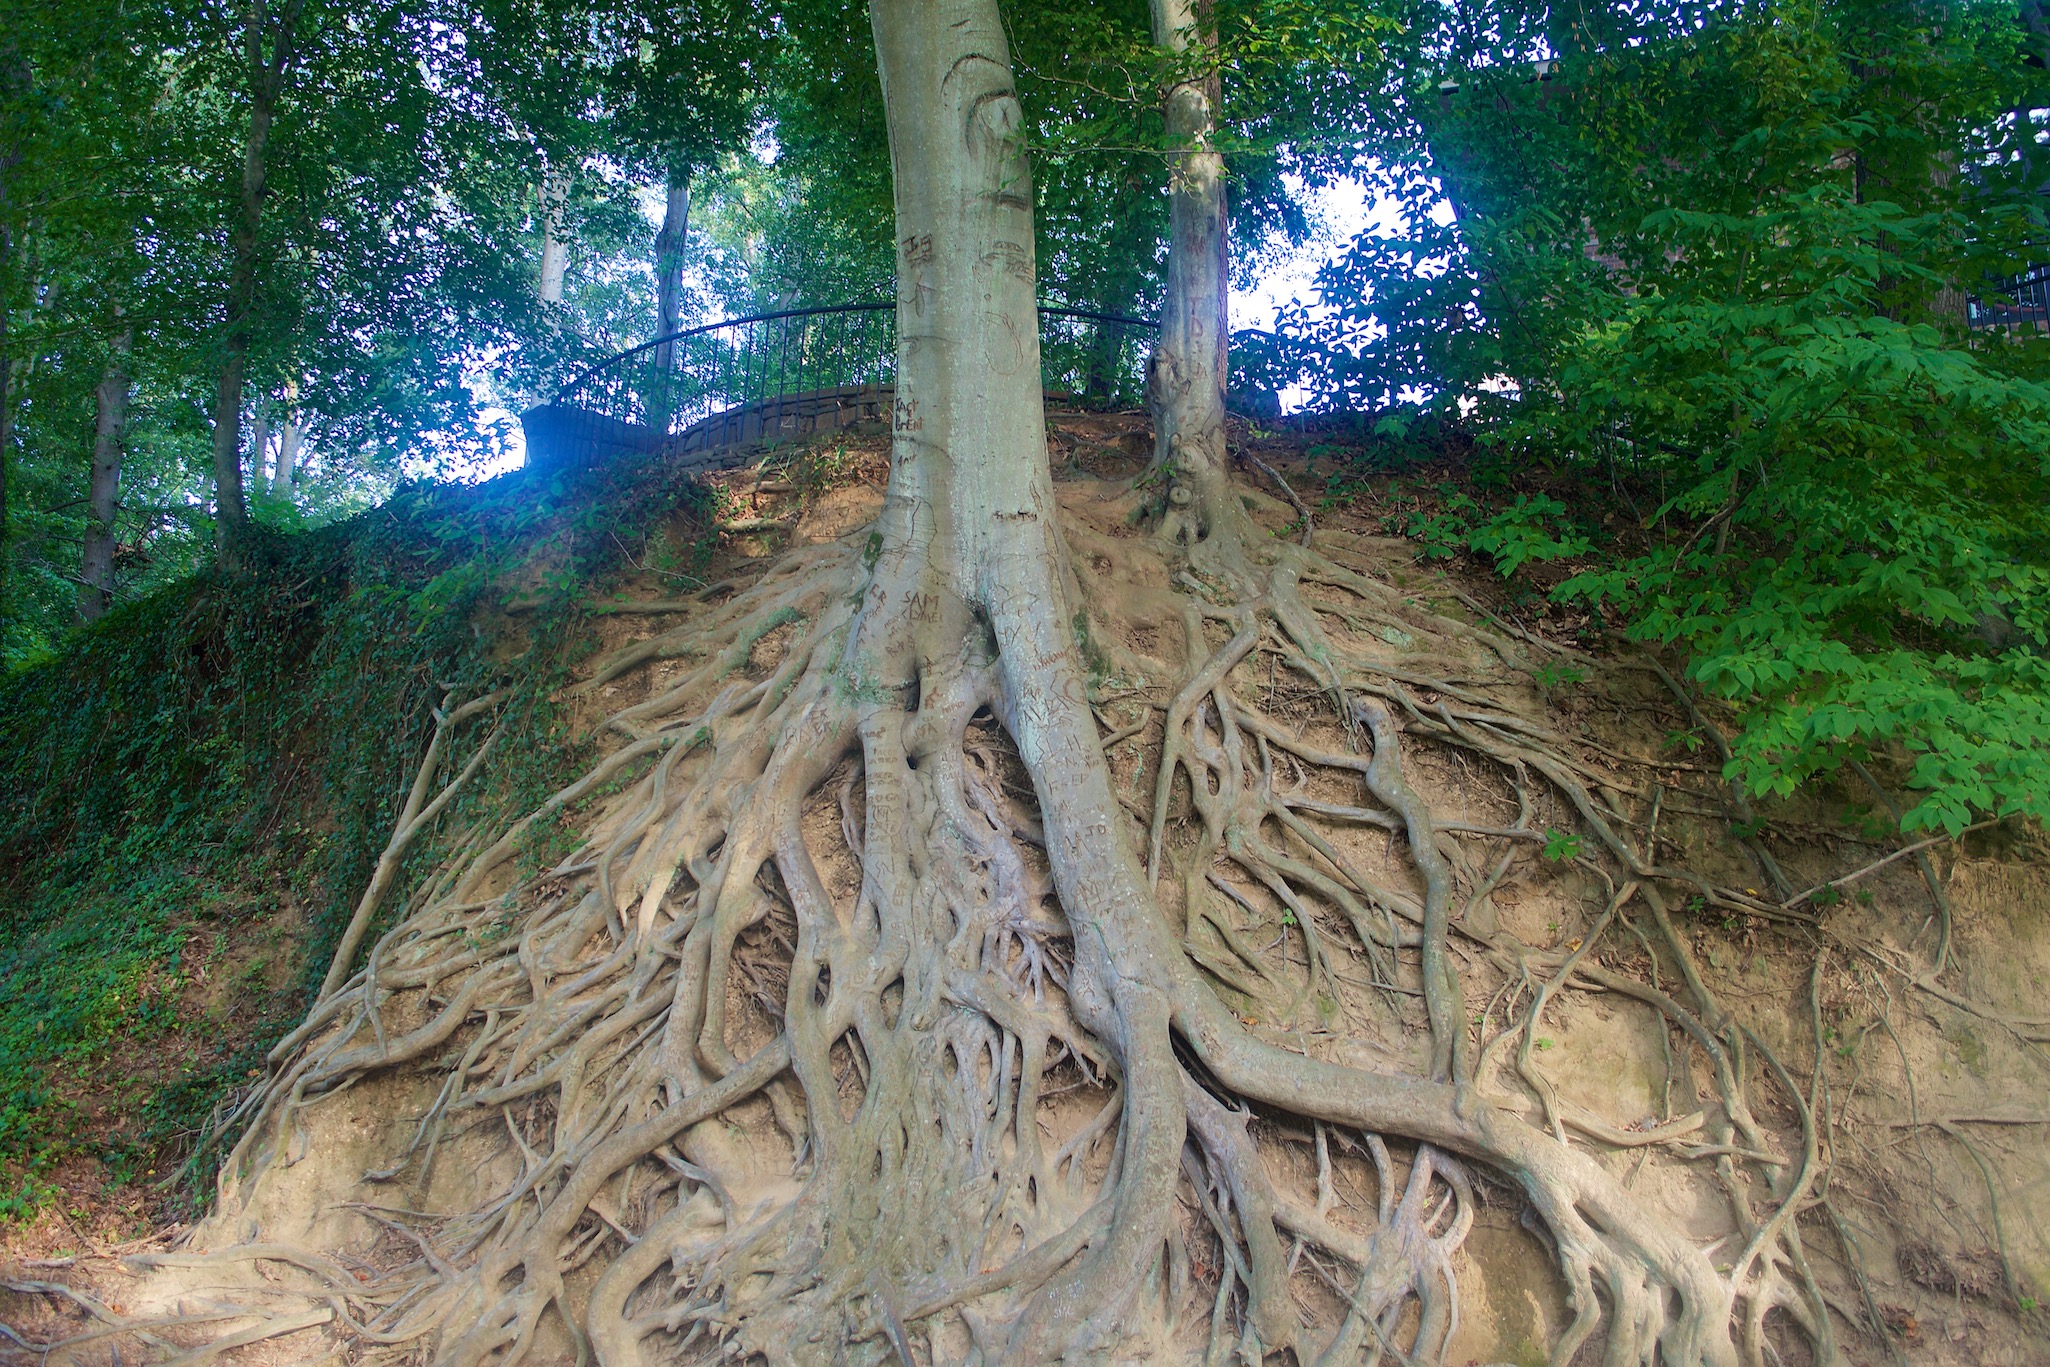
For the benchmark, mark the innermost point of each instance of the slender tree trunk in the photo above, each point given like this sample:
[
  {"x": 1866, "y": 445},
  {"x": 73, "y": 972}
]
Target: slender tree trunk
[
  {"x": 1188, "y": 371},
  {"x": 669, "y": 245},
  {"x": 290, "y": 434},
  {"x": 287, "y": 469},
  {"x": 259, "y": 444},
  {"x": 266, "y": 83},
  {"x": 554, "y": 250},
  {"x": 110, "y": 423}
]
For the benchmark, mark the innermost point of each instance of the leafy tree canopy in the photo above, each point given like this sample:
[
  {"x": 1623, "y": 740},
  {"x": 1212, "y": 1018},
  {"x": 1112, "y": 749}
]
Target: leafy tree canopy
[
  {"x": 1719, "y": 251},
  {"x": 1731, "y": 258}
]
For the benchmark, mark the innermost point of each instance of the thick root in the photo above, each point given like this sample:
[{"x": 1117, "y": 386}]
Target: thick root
[{"x": 872, "y": 887}]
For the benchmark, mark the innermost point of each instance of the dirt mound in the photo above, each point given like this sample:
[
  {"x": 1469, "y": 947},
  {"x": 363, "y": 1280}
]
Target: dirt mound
[{"x": 794, "y": 1053}]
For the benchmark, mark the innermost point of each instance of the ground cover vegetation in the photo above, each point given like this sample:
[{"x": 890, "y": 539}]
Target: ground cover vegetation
[
  {"x": 1117, "y": 915},
  {"x": 199, "y": 788},
  {"x": 1732, "y": 276}
]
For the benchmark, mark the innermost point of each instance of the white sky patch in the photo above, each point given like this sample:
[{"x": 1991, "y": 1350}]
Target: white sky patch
[
  {"x": 494, "y": 444},
  {"x": 1340, "y": 212},
  {"x": 507, "y": 444}
]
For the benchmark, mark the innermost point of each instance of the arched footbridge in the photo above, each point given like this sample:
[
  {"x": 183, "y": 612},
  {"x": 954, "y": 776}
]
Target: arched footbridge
[{"x": 717, "y": 393}]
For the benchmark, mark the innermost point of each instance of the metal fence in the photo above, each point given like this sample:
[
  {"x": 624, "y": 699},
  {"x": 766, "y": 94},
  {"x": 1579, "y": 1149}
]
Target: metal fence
[
  {"x": 2023, "y": 301},
  {"x": 677, "y": 381},
  {"x": 1094, "y": 359},
  {"x": 782, "y": 374}
]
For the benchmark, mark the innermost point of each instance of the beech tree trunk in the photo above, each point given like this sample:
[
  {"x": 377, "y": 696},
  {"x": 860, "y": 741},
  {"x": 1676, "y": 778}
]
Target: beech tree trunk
[
  {"x": 259, "y": 443},
  {"x": 287, "y": 468},
  {"x": 1187, "y": 374},
  {"x": 110, "y": 399},
  {"x": 669, "y": 244},
  {"x": 971, "y": 510},
  {"x": 266, "y": 84},
  {"x": 554, "y": 250},
  {"x": 278, "y": 482}
]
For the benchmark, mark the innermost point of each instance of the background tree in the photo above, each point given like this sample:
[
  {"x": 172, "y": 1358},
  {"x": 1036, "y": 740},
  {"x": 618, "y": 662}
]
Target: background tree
[
  {"x": 269, "y": 41},
  {"x": 687, "y": 79},
  {"x": 78, "y": 117},
  {"x": 110, "y": 423},
  {"x": 1726, "y": 249},
  {"x": 388, "y": 264},
  {"x": 967, "y": 944}
]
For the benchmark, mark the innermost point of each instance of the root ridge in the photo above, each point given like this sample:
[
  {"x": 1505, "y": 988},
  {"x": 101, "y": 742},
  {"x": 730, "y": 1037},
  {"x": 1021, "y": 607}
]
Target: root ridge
[{"x": 877, "y": 1017}]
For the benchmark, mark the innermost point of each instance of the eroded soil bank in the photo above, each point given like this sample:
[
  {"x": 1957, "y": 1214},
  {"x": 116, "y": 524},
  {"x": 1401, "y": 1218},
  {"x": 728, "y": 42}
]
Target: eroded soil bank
[{"x": 1909, "y": 1101}]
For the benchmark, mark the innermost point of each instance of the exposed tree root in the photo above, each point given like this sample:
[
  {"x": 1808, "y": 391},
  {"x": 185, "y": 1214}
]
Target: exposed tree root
[{"x": 872, "y": 889}]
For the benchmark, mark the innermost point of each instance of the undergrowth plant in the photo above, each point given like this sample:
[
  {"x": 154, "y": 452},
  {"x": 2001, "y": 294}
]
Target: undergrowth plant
[
  {"x": 202, "y": 758},
  {"x": 1722, "y": 275},
  {"x": 1534, "y": 527}
]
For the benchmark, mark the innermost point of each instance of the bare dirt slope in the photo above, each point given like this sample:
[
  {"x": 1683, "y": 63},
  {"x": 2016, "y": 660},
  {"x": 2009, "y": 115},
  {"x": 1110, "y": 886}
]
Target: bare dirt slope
[{"x": 1910, "y": 1101}]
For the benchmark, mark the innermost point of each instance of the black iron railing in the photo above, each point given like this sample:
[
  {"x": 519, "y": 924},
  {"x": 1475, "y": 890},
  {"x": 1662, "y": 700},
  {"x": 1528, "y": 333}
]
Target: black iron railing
[
  {"x": 677, "y": 381},
  {"x": 2023, "y": 301},
  {"x": 1097, "y": 359},
  {"x": 680, "y": 381}
]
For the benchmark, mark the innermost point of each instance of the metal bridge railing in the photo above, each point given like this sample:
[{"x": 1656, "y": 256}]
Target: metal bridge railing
[
  {"x": 2023, "y": 301},
  {"x": 1097, "y": 359},
  {"x": 677, "y": 381},
  {"x": 743, "y": 379}
]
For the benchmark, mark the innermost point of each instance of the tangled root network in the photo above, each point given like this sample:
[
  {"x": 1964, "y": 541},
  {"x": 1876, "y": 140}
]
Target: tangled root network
[{"x": 818, "y": 1050}]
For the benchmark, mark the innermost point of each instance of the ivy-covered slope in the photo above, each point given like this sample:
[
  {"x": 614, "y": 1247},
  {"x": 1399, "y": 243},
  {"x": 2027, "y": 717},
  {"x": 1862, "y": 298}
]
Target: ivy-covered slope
[{"x": 194, "y": 791}]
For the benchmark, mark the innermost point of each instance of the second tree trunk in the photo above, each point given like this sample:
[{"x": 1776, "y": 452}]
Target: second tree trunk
[
  {"x": 110, "y": 403},
  {"x": 1186, "y": 377}
]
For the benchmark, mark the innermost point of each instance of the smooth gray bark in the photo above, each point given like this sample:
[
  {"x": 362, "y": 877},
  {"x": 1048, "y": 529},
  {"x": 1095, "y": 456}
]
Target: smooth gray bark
[
  {"x": 259, "y": 444},
  {"x": 669, "y": 244},
  {"x": 287, "y": 469},
  {"x": 554, "y": 250},
  {"x": 1188, "y": 370},
  {"x": 970, "y": 527},
  {"x": 275, "y": 470}
]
